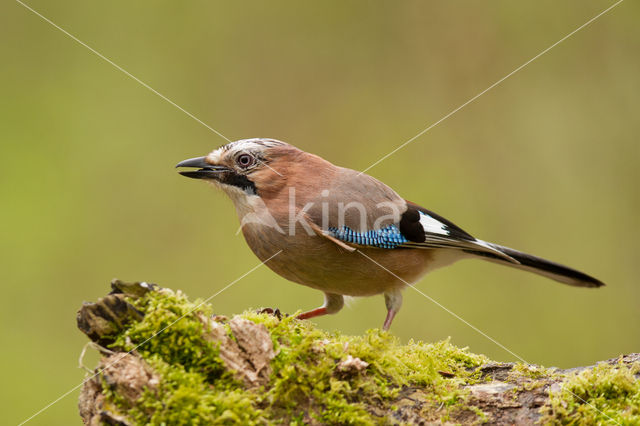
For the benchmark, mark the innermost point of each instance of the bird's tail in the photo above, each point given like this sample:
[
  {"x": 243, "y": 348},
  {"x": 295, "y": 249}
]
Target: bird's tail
[{"x": 539, "y": 266}]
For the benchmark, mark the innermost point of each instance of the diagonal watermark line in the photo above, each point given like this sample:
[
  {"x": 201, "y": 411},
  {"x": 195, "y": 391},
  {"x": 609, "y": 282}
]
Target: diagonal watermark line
[
  {"x": 154, "y": 335},
  {"x": 270, "y": 168},
  {"x": 425, "y": 130},
  {"x": 448, "y": 310},
  {"x": 118, "y": 67},
  {"x": 476, "y": 329}
]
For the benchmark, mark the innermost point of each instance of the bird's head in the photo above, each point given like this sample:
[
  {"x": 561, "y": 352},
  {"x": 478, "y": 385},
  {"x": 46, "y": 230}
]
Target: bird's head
[{"x": 242, "y": 168}]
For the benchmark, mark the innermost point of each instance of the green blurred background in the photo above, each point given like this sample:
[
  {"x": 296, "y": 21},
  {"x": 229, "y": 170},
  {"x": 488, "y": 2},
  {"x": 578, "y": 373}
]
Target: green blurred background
[{"x": 547, "y": 162}]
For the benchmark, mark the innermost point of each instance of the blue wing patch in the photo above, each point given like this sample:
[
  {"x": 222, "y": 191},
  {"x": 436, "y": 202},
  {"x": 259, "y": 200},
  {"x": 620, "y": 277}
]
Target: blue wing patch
[{"x": 388, "y": 237}]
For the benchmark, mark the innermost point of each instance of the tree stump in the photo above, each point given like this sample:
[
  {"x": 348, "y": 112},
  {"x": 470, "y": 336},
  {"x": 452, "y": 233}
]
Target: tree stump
[{"x": 168, "y": 360}]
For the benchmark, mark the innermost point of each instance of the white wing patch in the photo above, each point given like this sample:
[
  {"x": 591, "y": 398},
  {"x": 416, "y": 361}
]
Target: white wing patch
[{"x": 432, "y": 226}]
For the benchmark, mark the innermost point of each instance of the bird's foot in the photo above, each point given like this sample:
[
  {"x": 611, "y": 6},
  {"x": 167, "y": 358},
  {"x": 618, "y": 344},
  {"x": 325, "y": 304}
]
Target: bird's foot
[{"x": 273, "y": 312}]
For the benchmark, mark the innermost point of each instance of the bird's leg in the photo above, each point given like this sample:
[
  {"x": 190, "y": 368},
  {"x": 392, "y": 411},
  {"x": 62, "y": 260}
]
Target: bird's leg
[
  {"x": 313, "y": 313},
  {"x": 393, "y": 300},
  {"x": 387, "y": 321},
  {"x": 332, "y": 304}
]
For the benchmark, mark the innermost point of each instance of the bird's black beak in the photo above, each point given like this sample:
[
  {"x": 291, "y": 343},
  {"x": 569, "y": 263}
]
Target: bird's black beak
[{"x": 206, "y": 170}]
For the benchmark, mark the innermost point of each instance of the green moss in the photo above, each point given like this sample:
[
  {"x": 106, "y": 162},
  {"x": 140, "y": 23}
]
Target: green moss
[
  {"x": 606, "y": 394},
  {"x": 191, "y": 384},
  {"x": 195, "y": 388},
  {"x": 532, "y": 372},
  {"x": 172, "y": 331},
  {"x": 184, "y": 397},
  {"x": 304, "y": 371}
]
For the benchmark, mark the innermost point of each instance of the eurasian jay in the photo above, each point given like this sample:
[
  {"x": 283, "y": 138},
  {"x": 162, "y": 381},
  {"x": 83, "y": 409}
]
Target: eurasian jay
[{"x": 343, "y": 232}]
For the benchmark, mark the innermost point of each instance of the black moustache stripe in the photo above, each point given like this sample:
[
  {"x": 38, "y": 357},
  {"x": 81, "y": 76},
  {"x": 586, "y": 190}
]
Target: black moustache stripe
[{"x": 240, "y": 181}]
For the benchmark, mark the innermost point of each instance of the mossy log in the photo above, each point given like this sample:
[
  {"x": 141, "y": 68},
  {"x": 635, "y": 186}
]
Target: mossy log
[{"x": 166, "y": 360}]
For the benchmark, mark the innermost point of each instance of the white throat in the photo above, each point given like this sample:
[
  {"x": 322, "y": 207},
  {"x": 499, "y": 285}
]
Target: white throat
[{"x": 249, "y": 207}]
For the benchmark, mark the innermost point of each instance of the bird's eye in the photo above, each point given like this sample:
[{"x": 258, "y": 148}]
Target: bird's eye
[{"x": 245, "y": 160}]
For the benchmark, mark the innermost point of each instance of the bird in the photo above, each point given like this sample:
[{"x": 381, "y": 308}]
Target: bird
[{"x": 341, "y": 231}]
